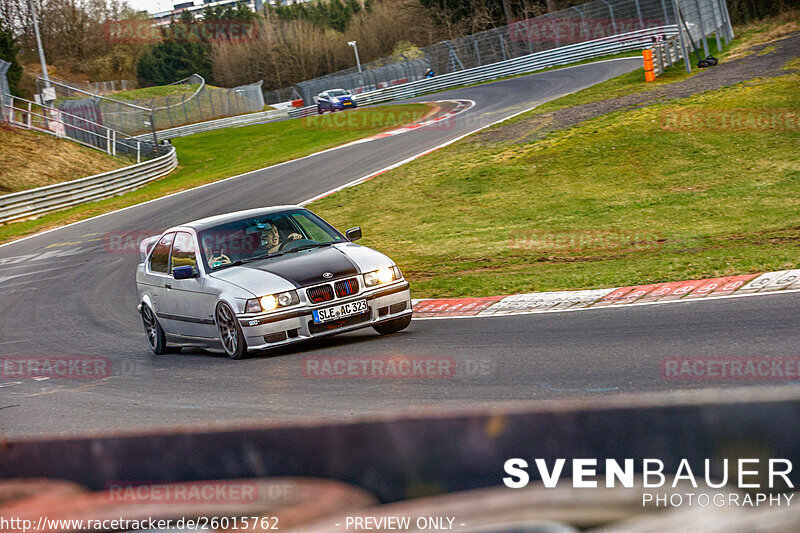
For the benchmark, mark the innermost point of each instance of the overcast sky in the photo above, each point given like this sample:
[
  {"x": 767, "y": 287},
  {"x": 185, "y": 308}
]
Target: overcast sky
[{"x": 151, "y": 6}]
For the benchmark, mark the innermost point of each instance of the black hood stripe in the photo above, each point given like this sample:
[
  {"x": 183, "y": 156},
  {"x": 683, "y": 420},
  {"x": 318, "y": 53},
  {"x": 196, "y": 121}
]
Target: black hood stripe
[{"x": 306, "y": 268}]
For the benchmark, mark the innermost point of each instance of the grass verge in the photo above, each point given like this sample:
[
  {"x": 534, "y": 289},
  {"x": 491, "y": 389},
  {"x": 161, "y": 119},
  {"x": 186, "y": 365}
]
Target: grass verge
[
  {"x": 629, "y": 197},
  {"x": 208, "y": 157},
  {"x": 31, "y": 159}
]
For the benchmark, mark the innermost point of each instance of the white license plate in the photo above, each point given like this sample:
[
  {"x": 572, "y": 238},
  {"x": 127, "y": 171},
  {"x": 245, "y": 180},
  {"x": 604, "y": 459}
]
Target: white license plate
[{"x": 340, "y": 311}]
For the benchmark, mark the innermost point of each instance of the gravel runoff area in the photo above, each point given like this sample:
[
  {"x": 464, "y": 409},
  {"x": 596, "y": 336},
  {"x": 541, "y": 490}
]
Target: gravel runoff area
[{"x": 767, "y": 60}]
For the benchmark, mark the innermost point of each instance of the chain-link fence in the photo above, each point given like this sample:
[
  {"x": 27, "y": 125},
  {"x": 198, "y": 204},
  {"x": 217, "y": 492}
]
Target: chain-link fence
[
  {"x": 385, "y": 72},
  {"x": 197, "y": 103},
  {"x": 99, "y": 87},
  {"x": 587, "y": 22},
  {"x": 5, "y": 91},
  {"x": 278, "y": 96}
]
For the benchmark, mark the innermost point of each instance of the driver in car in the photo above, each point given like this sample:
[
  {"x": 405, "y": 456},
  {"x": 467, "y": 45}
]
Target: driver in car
[{"x": 271, "y": 237}]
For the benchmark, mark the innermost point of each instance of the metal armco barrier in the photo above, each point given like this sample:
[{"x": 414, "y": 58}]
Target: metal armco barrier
[
  {"x": 635, "y": 40},
  {"x": 665, "y": 54},
  {"x": 448, "y": 451},
  {"x": 34, "y": 202},
  {"x": 228, "y": 122}
]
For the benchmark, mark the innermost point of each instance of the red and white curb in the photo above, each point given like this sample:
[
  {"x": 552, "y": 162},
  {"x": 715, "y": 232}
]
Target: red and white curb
[
  {"x": 539, "y": 302},
  {"x": 441, "y": 122}
]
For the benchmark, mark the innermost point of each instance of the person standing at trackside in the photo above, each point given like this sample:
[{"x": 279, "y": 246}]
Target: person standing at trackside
[{"x": 429, "y": 73}]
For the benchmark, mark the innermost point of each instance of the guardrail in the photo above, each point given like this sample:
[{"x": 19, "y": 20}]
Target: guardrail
[
  {"x": 46, "y": 119},
  {"x": 635, "y": 40},
  {"x": 35, "y": 202},
  {"x": 665, "y": 54},
  {"x": 228, "y": 122}
]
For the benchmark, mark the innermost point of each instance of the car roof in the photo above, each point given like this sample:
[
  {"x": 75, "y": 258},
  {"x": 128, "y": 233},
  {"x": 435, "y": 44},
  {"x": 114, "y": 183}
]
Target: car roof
[{"x": 210, "y": 222}]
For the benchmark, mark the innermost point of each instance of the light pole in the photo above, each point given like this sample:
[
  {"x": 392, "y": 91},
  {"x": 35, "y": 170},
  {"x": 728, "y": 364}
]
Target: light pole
[
  {"x": 45, "y": 76},
  {"x": 355, "y": 48}
]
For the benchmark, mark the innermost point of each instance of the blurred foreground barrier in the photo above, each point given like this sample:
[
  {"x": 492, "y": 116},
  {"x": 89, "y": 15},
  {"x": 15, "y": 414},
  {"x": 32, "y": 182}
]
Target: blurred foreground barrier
[
  {"x": 534, "y": 508},
  {"x": 711, "y": 520},
  {"x": 277, "y": 503},
  {"x": 15, "y": 490},
  {"x": 397, "y": 458}
]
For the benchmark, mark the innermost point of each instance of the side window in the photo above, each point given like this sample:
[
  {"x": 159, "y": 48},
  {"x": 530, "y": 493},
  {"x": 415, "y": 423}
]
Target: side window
[
  {"x": 159, "y": 260},
  {"x": 183, "y": 251}
]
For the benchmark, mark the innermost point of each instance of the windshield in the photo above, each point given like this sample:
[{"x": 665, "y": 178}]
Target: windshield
[
  {"x": 338, "y": 92},
  {"x": 264, "y": 236}
]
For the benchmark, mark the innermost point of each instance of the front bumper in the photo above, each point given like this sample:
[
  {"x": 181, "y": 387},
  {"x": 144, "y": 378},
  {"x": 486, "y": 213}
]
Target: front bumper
[{"x": 270, "y": 330}]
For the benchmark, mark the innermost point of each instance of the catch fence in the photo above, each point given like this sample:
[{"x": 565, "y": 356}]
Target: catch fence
[{"x": 591, "y": 22}]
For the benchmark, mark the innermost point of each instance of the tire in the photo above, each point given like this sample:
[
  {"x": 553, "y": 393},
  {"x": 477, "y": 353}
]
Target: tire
[
  {"x": 155, "y": 334},
  {"x": 230, "y": 332},
  {"x": 319, "y": 110},
  {"x": 393, "y": 326}
]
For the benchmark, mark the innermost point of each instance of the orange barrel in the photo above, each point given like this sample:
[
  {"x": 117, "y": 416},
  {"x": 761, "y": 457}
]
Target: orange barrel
[{"x": 649, "y": 73}]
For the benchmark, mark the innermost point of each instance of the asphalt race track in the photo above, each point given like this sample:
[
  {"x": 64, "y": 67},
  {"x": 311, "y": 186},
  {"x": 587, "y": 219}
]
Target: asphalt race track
[{"x": 64, "y": 293}]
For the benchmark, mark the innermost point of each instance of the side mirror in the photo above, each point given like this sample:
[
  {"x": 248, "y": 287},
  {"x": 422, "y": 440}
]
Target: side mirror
[
  {"x": 353, "y": 234},
  {"x": 183, "y": 272}
]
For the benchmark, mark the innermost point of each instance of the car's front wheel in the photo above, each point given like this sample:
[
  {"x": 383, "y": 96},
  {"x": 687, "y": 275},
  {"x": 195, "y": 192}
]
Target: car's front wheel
[
  {"x": 230, "y": 333},
  {"x": 320, "y": 110},
  {"x": 393, "y": 326},
  {"x": 155, "y": 334}
]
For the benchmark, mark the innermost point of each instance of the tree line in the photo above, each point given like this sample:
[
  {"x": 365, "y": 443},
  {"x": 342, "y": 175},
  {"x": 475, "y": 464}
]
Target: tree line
[{"x": 291, "y": 43}]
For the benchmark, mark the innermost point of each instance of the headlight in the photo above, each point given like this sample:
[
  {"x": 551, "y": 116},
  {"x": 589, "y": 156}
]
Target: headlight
[
  {"x": 384, "y": 275},
  {"x": 271, "y": 301}
]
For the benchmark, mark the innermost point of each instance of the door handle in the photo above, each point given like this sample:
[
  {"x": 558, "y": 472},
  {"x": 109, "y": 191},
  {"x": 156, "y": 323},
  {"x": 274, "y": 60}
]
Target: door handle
[{"x": 168, "y": 286}]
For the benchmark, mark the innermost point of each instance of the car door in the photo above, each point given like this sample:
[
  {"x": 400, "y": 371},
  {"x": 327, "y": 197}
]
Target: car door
[
  {"x": 158, "y": 276},
  {"x": 188, "y": 308}
]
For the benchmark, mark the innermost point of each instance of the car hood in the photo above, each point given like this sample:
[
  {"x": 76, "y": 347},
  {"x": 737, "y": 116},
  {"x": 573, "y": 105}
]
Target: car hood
[
  {"x": 365, "y": 258},
  {"x": 301, "y": 269}
]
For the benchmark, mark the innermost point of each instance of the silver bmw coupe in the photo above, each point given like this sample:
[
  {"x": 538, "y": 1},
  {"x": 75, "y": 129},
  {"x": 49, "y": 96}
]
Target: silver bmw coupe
[{"x": 263, "y": 278}]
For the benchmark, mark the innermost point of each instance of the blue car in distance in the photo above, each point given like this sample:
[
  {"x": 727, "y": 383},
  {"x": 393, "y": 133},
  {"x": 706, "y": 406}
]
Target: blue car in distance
[{"x": 333, "y": 100}]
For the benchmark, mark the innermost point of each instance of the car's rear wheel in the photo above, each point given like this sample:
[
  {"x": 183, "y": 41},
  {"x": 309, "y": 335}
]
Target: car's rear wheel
[
  {"x": 155, "y": 334},
  {"x": 230, "y": 333},
  {"x": 393, "y": 326}
]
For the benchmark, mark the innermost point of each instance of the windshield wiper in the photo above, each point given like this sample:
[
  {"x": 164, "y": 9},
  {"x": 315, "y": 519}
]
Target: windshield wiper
[
  {"x": 260, "y": 257},
  {"x": 223, "y": 267},
  {"x": 309, "y": 246},
  {"x": 240, "y": 262}
]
